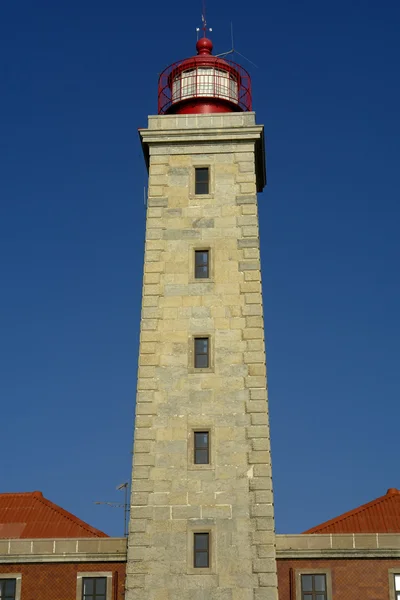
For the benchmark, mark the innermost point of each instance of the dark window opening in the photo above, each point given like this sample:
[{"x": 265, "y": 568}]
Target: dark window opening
[
  {"x": 313, "y": 587},
  {"x": 202, "y": 179},
  {"x": 94, "y": 588},
  {"x": 201, "y": 550},
  {"x": 201, "y": 264},
  {"x": 7, "y": 589},
  {"x": 201, "y": 448},
  {"x": 201, "y": 353}
]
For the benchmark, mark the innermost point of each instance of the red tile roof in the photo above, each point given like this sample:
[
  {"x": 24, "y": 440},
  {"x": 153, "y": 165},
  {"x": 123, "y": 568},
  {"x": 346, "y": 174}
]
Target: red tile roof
[
  {"x": 379, "y": 516},
  {"x": 30, "y": 515}
]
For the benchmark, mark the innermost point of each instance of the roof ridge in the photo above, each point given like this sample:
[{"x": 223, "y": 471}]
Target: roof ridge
[
  {"x": 36, "y": 493},
  {"x": 349, "y": 513},
  {"x": 71, "y": 517}
]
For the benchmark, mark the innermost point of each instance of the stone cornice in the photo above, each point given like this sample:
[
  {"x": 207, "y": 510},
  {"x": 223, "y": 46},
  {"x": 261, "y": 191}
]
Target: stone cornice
[
  {"x": 352, "y": 545},
  {"x": 206, "y": 135},
  {"x": 189, "y": 130},
  {"x": 14, "y": 551}
]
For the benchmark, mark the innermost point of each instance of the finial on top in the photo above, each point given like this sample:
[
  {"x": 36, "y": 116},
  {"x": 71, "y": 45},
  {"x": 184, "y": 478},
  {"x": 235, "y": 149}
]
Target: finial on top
[{"x": 204, "y": 46}]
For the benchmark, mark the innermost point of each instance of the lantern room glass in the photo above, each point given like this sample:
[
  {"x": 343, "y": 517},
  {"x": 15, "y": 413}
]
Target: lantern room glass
[{"x": 206, "y": 82}]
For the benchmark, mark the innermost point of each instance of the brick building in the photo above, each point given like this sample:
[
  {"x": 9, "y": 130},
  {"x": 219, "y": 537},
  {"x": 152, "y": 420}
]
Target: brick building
[
  {"x": 46, "y": 553},
  {"x": 355, "y": 556}
]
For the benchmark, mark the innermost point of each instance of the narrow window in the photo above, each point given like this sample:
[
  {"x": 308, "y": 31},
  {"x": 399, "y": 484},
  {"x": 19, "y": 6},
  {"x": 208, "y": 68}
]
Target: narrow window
[
  {"x": 202, "y": 264},
  {"x": 7, "y": 589},
  {"x": 313, "y": 587},
  {"x": 397, "y": 586},
  {"x": 201, "y": 353},
  {"x": 201, "y": 551},
  {"x": 94, "y": 588},
  {"x": 201, "y": 448},
  {"x": 202, "y": 180}
]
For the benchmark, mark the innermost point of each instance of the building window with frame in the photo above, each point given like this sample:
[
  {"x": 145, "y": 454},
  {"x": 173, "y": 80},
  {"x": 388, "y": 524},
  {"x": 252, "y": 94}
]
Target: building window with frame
[
  {"x": 94, "y": 588},
  {"x": 202, "y": 180},
  {"x": 201, "y": 352},
  {"x": 202, "y": 264},
  {"x": 313, "y": 586},
  {"x": 201, "y": 550},
  {"x": 397, "y": 586},
  {"x": 8, "y": 589},
  {"x": 201, "y": 447}
]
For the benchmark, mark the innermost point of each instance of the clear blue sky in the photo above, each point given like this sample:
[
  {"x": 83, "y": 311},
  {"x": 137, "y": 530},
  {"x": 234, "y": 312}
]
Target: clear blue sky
[{"x": 76, "y": 81}]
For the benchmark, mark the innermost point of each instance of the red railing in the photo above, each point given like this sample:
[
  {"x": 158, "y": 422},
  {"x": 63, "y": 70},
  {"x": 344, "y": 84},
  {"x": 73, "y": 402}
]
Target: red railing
[{"x": 204, "y": 77}]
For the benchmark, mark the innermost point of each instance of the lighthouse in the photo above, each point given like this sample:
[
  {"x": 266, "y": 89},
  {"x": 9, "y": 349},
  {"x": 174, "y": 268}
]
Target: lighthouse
[
  {"x": 204, "y": 84},
  {"x": 202, "y": 520}
]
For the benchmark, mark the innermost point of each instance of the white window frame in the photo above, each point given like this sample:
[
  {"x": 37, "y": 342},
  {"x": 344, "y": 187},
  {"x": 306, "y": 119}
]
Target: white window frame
[
  {"x": 393, "y": 593},
  {"x": 18, "y": 579},
  {"x": 79, "y": 582}
]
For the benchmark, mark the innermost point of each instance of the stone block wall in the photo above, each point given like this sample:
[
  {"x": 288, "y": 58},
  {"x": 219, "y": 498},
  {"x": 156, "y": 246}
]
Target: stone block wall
[{"x": 232, "y": 497}]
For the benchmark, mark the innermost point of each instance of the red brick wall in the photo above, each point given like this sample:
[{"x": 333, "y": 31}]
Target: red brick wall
[
  {"x": 352, "y": 579},
  {"x": 57, "y": 581}
]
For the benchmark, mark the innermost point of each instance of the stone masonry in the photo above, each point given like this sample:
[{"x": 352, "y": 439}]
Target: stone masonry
[{"x": 231, "y": 498}]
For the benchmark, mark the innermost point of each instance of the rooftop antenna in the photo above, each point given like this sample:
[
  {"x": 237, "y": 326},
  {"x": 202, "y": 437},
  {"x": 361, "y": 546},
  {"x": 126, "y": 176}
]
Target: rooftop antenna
[
  {"x": 125, "y": 505},
  {"x": 234, "y": 51},
  {"x": 204, "y": 21}
]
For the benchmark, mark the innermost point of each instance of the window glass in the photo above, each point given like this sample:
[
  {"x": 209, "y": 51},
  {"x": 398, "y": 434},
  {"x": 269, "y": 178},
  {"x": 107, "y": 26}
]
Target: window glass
[
  {"x": 201, "y": 550},
  {"x": 101, "y": 585},
  {"x": 88, "y": 585},
  {"x": 201, "y": 264},
  {"x": 7, "y": 589},
  {"x": 10, "y": 587},
  {"x": 202, "y": 180},
  {"x": 306, "y": 583},
  {"x": 94, "y": 588},
  {"x": 201, "y": 541},
  {"x": 313, "y": 586},
  {"x": 319, "y": 583},
  {"x": 201, "y": 447},
  {"x": 201, "y": 560},
  {"x": 188, "y": 84},
  {"x": 201, "y": 350},
  {"x": 205, "y": 82}
]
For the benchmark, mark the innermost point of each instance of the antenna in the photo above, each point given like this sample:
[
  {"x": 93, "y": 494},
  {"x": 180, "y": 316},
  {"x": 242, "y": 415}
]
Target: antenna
[
  {"x": 233, "y": 51},
  {"x": 203, "y": 18},
  {"x": 204, "y": 22},
  {"x": 125, "y": 505}
]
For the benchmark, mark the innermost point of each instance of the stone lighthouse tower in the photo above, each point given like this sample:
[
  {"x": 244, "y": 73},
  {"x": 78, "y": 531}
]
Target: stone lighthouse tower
[{"x": 202, "y": 519}]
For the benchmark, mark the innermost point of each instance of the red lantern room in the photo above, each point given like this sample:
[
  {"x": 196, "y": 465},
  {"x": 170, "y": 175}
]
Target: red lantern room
[{"x": 204, "y": 84}]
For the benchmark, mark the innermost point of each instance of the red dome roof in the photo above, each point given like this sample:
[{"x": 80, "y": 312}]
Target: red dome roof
[{"x": 204, "y": 84}]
